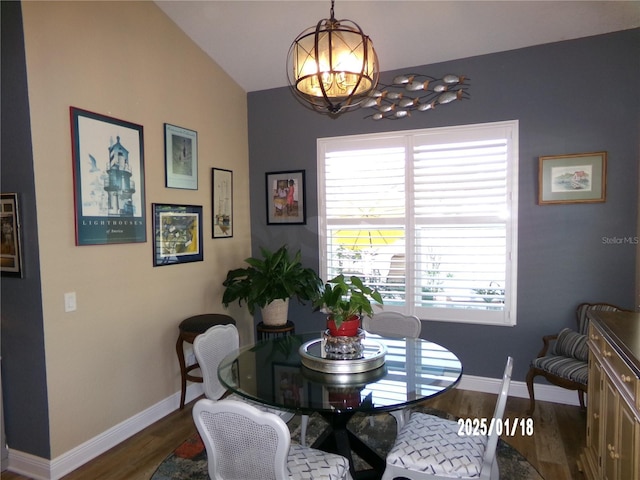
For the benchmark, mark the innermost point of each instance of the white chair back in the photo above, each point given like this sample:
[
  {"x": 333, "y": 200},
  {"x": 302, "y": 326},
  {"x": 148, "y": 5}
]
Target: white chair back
[
  {"x": 489, "y": 460},
  {"x": 393, "y": 324},
  {"x": 242, "y": 442},
  {"x": 210, "y": 348},
  {"x": 430, "y": 447}
]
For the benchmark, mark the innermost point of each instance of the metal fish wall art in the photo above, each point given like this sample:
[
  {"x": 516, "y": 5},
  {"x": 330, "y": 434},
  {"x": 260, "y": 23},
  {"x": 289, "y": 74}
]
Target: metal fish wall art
[{"x": 414, "y": 92}]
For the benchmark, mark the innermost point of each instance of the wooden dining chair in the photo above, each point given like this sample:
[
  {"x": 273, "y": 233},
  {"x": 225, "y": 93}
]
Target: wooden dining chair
[
  {"x": 210, "y": 349},
  {"x": 563, "y": 359},
  {"x": 243, "y": 442},
  {"x": 430, "y": 447}
]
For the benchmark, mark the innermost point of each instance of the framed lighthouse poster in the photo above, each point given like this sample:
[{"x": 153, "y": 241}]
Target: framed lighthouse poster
[{"x": 108, "y": 175}]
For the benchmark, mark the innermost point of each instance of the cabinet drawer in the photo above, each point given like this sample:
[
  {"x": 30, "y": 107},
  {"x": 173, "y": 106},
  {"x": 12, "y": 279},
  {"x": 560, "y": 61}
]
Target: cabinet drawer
[
  {"x": 596, "y": 339},
  {"x": 621, "y": 372}
]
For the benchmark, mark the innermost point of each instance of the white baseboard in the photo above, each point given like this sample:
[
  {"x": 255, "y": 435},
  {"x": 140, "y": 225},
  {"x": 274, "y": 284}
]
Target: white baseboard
[
  {"x": 42, "y": 469},
  {"x": 28, "y": 465},
  {"x": 543, "y": 392}
]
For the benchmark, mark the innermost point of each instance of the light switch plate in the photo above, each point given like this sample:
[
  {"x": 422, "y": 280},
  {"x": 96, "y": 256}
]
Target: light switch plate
[{"x": 70, "y": 302}]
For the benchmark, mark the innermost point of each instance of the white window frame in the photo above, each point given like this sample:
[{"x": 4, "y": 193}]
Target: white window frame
[{"x": 510, "y": 130}]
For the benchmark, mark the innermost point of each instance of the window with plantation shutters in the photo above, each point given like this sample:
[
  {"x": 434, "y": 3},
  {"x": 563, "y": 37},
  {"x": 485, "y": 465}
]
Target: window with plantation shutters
[{"x": 428, "y": 217}]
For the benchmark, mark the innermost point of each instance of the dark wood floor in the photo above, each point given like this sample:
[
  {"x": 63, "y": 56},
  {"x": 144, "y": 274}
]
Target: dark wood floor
[{"x": 553, "y": 449}]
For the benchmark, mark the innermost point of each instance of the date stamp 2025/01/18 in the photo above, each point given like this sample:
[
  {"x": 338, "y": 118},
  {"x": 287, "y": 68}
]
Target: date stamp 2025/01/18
[{"x": 470, "y": 427}]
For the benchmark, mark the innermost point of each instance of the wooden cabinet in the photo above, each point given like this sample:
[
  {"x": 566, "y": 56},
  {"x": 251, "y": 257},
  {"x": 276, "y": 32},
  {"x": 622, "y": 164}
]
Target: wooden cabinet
[
  {"x": 594, "y": 408},
  {"x": 613, "y": 411},
  {"x": 627, "y": 446}
]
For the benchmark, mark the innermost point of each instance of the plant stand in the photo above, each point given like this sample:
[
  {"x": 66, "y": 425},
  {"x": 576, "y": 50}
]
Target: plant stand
[{"x": 265, "y": 332}]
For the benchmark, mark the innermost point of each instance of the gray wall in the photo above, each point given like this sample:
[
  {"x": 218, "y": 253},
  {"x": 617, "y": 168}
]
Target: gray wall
[
  {"x": 570, "y": 97},
  {"x": 24, "y": 383}
]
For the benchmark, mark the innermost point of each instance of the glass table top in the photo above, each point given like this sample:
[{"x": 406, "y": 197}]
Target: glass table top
[{"x": 271, "y": 372}]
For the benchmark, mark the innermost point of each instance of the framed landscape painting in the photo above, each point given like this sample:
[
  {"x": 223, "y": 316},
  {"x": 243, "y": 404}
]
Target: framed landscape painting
[
  {"x": 576, "y": 178},
  {"x": 108, "y": 175}
]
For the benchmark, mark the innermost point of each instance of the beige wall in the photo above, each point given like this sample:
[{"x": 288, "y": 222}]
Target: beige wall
[{"x": 115, "y": 355}]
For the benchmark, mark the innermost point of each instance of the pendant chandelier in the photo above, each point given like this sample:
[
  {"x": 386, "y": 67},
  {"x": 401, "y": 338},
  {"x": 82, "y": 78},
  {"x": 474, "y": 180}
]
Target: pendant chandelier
[{"x": 332, "y": 67}]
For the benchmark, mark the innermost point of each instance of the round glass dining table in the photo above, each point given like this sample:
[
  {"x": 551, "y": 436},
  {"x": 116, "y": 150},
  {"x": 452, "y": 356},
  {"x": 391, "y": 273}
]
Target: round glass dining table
[{"x": 272, "y": 372}]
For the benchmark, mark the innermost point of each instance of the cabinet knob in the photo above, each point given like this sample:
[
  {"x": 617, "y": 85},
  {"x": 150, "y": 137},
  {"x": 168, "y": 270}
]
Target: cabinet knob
[
  {"x": 606, "y": 353},
  {"x": 594, "y": 337},
  {"x": 596, "y": 416},
  {"x": 612, "y": 451},
  {"x": 625, "y": 378}
]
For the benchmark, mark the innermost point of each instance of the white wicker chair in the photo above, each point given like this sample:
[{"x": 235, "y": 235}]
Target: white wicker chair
[
  {"x": 210, "y": 349},
  {"x": 429, "y": 447},
  {"x": 244, "y": 443},
  {"x": 394, "y": 324}
]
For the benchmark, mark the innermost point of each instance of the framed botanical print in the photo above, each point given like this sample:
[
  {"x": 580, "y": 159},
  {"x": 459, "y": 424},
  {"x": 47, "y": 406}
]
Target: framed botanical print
[{"x": 222, "y": 203}]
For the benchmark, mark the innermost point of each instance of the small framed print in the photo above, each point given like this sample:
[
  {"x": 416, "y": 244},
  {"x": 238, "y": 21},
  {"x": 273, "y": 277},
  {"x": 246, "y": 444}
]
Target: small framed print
[
  {"x": 10, "y": 253},
  {"x": 108, "y": 175},
  {"x": 180, "y": 157},
  {"x": 576, "y": 178},
  {"x": 286, "y": 198},
  {"x": 222, "y": 203},
  {"x": 289, "y": 385},
  {"x": 177, "y": 231}
]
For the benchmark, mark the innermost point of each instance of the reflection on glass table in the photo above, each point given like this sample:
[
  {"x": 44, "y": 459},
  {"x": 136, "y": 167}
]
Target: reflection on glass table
[{"x": 271, "y": 372}]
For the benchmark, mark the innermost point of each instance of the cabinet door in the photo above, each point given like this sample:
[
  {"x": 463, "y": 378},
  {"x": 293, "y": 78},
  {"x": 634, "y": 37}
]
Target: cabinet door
[
  {"x": 610, "y": 412},
  {"x": 594, "y": 409},
  {"x": 627, "y": 449}
]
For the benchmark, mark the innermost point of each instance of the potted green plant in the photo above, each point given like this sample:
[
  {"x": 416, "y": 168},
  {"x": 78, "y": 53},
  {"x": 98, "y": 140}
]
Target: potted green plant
[
  {"x": 345, "y": 301},
  {"x": 269, "y": 282}
]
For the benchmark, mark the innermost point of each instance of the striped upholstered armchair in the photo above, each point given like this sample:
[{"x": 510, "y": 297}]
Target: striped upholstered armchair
[{"x": 564, "y": 357}]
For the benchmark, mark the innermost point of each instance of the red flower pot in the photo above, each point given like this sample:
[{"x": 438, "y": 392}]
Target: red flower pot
[
  {"x": 343, "y": 399},
  {"x": 348, "y": 328}
]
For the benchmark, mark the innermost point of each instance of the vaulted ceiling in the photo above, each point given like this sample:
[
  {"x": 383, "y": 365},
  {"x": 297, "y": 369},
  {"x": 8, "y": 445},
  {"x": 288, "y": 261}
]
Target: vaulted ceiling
[{"x": 250, "y": 39}]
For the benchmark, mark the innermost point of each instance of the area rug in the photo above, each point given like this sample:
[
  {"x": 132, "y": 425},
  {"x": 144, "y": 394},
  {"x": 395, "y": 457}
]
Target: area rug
[{"x": 189, "y": 460}]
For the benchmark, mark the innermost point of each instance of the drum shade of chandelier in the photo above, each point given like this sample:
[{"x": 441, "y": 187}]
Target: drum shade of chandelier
[{"x": 332, "y": 67}]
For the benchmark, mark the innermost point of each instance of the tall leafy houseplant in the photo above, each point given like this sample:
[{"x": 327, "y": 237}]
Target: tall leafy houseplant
[
  {"x": 346, "y": 300},
  {"x": 272, "y": 279}
]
